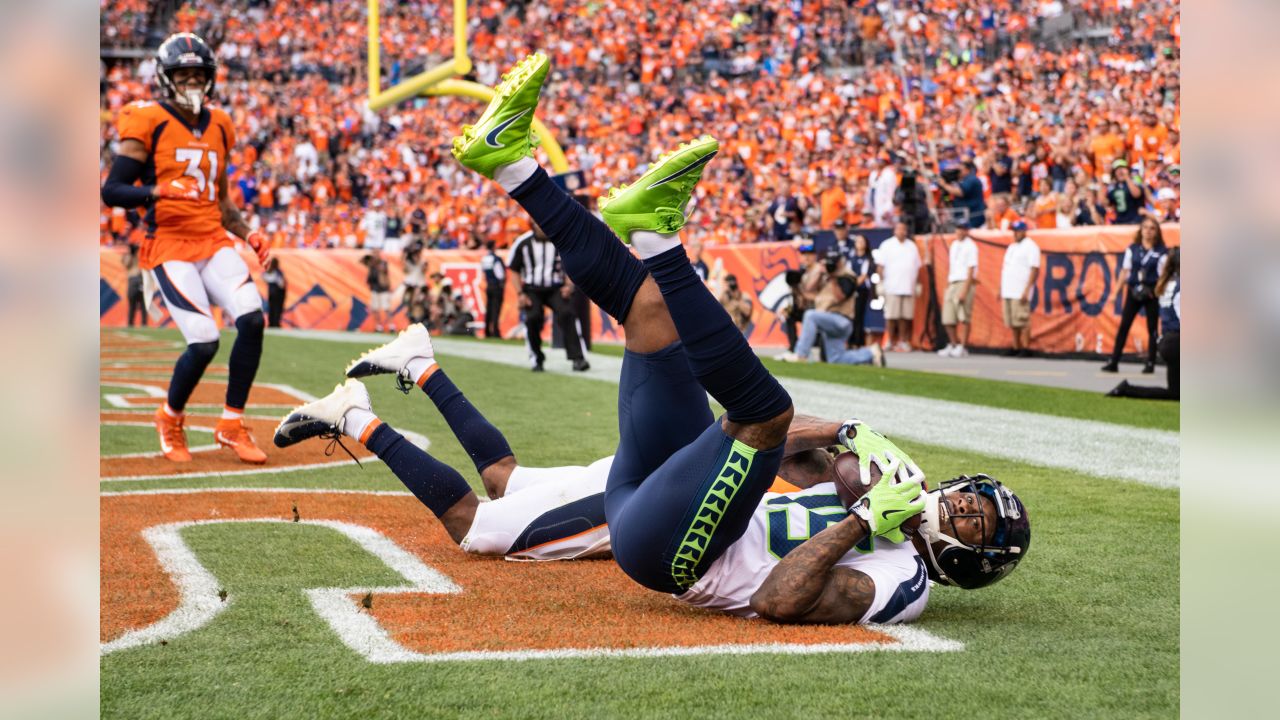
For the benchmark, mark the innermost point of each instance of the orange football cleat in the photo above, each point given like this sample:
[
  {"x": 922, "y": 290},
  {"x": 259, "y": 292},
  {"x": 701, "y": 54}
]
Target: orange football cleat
[
  {"x": 233, "y": 434},
  {"x": 173, "y": 439}
]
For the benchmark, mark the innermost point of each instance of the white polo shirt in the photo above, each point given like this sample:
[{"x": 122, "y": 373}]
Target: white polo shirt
[
  {"x": 964, "y": 255},
  {"x": 1019, "y": 260},
  {"x": 901, "y": 261}
]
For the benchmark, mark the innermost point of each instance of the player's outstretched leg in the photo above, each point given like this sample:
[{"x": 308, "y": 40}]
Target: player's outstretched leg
[
  {"x": 499, "y": 146},
  {"x": 412, "y": 359},
  {"x": 347, "y": 411},
  {"x": 668, "y": 527}
]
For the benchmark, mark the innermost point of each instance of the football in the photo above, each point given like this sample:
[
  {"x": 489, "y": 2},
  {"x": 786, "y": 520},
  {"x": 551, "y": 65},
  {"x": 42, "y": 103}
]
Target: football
[{"x": 848, "y": 479}]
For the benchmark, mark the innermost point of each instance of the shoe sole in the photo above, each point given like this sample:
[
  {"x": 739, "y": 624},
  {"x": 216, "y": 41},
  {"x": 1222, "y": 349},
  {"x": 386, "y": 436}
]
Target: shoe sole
[
  {"x": 659, "y": 173},
  {"x": 516, "y": 80}
]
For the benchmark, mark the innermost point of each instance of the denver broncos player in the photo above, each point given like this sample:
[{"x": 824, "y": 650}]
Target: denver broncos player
[{"x": 178, "y": 148}]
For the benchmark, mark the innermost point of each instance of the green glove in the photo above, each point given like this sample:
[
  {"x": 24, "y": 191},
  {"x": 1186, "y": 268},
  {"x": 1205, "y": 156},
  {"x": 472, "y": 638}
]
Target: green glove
[
  {"x": 871, "y": 446},
  {"x": 888, "y": 505}
]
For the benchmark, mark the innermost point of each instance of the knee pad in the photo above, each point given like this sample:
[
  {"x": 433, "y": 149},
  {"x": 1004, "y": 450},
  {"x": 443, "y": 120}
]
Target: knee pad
[
  {"x": 203, "y": 352},
  {"x": 251, "y": 323}
]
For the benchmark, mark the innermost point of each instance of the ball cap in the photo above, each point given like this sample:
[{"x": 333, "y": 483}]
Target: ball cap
[
  {"x": 1121, "y": 163},
  {"x": 1018, "y": 225}
]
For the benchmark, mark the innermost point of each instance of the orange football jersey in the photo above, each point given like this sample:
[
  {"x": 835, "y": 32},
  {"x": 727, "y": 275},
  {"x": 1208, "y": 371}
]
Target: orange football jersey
[{"x": 187, "y": 230}]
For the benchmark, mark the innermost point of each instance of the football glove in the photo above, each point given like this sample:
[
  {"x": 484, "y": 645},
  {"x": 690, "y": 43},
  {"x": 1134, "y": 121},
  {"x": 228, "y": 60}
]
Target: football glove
[
  {"x": 871, "y": 446},
  {"x": 888, "y": 505},
  {"x": 183, "y": 188},
  {"x": 258, "y": 243}
]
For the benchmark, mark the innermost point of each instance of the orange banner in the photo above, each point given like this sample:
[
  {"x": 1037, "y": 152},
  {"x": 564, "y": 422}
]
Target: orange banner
[{"x": 1076, "y": 306}]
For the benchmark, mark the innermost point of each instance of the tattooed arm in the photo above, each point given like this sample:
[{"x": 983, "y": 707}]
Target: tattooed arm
[
  {"x": 810, "y": 433},
  {"x": 806, "y": 587}
]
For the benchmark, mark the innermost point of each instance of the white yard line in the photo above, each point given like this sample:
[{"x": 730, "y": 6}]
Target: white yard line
[{"x": 1103, "y": 449}]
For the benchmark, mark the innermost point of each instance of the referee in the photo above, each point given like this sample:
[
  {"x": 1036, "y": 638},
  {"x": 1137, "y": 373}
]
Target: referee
[{"x": 539, "y": 281}]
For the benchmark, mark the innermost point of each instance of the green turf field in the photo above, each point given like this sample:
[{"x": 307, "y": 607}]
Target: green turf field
[{"x": 1086, "y": 627}]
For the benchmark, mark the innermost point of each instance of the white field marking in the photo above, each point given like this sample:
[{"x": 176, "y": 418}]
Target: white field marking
[
  {"x": 120, "y": 400},
  {"x": 155, "y": 453},
  {"x": 198, "y": 602},
  {"x": 359, "y": 631},
  {"x": 1101, "y": 449},
  {"x": 417, "y": 439},
  {"x": 269, "y": 490}
]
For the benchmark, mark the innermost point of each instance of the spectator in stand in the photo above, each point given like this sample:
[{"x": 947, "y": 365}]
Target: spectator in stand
[
  {"x": 1002, "y": 216},
  {"x": 1017, "y": 279},
  {"x": 1169, "y": 290},
  {"x": 830, "y": 317},
  {"x": 1126, "y": 196},
  {"x": 1000, "y": 175},
  {"x": 1083, "y": 205},
  {"x": 833, "y": 202},
  {"x": 785, "y": 213},
  {"x": 1143, "y": 265},
  {"x": 899, "y": 267},
  {"x": 737, "y": 304},
  {"x": 962, "y": 283},
  {"x": 881, "y": 186},
  {"x": 273, "y": 276}
]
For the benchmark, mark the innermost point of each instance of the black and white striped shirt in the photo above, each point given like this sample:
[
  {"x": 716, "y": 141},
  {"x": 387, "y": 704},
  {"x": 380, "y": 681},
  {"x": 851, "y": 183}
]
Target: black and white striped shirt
[{"x": 536, "y": 261}]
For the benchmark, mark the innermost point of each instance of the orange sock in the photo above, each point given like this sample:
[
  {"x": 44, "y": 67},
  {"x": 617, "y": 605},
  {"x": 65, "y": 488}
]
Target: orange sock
[{"x": 368, "y": 430}]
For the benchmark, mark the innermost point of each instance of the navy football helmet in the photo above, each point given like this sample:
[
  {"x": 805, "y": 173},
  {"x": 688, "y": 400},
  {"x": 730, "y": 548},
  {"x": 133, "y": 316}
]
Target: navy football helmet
[
  {"x": 974, "y": 565},
  {"x": 185, "y": 50}
]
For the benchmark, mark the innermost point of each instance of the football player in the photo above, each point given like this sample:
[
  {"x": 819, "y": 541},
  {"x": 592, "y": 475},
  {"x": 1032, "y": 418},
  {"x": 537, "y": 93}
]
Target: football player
[
  {"x": 684, "y": 491},
  {"x": 178, "y": 147},
  {"x": 685, "y": 498}
]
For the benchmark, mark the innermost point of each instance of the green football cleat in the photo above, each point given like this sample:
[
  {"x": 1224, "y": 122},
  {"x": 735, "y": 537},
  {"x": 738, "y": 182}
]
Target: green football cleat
[
  {"x": 501, "y": 135},
  {"x": 657, "y": 200}
]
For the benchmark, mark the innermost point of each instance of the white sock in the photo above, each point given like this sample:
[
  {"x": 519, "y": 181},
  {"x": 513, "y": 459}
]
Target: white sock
[
  {"x": 171, "y": 412},
  {"x": 648, "y": 244},
  {"x": 513, "y": 176},
  {"x": 417, "y": 366},
  {"x": 355, "y": 421},
  {"x": 229, "y": 414}
]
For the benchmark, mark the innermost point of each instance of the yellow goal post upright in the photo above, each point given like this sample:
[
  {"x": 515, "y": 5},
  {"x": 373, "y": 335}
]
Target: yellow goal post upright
[{"x": 444, "y": 79}]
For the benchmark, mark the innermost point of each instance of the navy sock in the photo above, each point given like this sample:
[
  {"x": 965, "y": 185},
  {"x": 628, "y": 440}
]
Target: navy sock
[
  {"x": 245, "y": 354},
  {"x": 483, "y": 442},
  {"x": 591, "y": 255},
  {"x": 435, "y": 484},
  {"x": 719, "y": 356},
  {"x": 188, "y": 371}
]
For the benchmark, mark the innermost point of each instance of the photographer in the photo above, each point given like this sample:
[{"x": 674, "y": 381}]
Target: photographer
[
  {"x": 1169, "y": 290},
  {"x": 1144, "y": 262},
  {"x": 912, "y": 203},
  {"x": 831, "y": 317},
  {"x": 804, "y": 284},
  {"x": 964, "y": 190},
  {"x": 737, "y": 304}
]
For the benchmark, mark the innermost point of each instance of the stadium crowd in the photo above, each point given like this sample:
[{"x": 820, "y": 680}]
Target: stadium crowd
[{"x": 1041, "y": 102}]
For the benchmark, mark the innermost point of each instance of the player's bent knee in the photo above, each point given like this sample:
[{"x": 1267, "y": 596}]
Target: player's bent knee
[
  {"x": 203, "y": 351},
  {"x": 251, "y": 323}
]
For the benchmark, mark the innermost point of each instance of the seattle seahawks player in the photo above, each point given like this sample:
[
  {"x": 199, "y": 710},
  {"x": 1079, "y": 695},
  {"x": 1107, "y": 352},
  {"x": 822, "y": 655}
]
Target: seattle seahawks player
[{"x": 684, "y": 488}]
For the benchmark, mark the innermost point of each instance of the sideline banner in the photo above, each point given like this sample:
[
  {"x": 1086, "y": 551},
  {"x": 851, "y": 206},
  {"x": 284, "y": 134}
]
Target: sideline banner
[{"x": 1075, "y": 307}]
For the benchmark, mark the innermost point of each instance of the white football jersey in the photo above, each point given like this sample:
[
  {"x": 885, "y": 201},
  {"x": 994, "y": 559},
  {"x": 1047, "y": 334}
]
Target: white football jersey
[
  {"x": 546, "y": 514},
  {"x": 781, "y": 523}
]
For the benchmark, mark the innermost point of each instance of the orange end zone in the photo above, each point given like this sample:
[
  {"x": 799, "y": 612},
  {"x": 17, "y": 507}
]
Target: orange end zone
[{"x": 503, "y": 605}]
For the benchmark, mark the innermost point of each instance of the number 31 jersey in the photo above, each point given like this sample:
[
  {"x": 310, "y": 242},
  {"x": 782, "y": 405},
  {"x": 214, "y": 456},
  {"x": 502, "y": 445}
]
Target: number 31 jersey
[
  {"x": 188, "y": 230},
  {"x": 781, "y": 523}
]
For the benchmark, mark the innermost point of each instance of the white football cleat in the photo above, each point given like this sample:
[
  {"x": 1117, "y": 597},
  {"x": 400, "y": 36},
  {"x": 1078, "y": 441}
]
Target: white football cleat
[
  {"x": 413, "y": 342},
  {"x": 323, "y": 417}
]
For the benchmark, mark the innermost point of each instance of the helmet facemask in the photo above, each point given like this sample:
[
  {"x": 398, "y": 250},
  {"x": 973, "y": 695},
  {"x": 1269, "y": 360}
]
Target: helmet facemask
[
  {"x": 185, "y": 96},
  {"x": 974, "y": 565}
]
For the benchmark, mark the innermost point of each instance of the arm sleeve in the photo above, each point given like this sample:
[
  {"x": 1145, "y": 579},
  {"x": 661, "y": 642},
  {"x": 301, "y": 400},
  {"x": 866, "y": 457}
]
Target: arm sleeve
[
  {"x": 119, "y": 190},
  {"x": 514, "y": 262}
]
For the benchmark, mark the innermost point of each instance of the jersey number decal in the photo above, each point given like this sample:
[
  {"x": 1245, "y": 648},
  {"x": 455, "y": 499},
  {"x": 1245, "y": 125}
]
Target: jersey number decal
[
  {"x": 786, "y": 533},
  {"x": 192, "y": 159}
]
